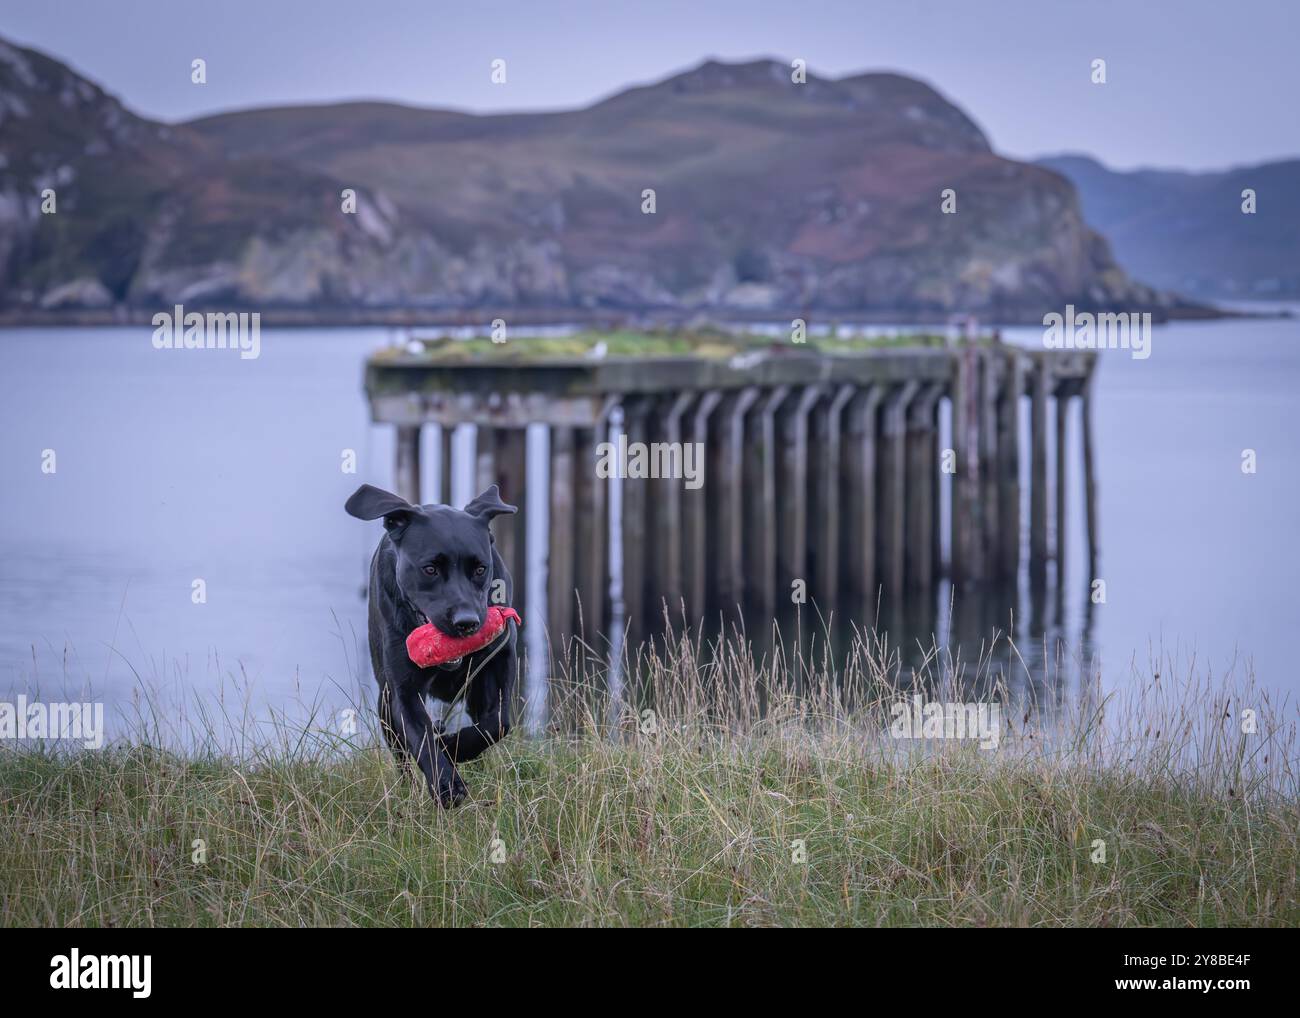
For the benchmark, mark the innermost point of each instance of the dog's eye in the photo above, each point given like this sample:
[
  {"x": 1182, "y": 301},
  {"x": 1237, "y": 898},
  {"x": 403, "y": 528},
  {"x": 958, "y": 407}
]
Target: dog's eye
[
  {"x": 430, "y": 570},
  {"x": 479, "y": 571}
]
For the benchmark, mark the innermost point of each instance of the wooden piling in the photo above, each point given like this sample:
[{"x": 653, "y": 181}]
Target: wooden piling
[
  {"x": 406, "y": 473},
  {"x": 819, "y": 471},
  {"x": 891, "y": 536},
  {"x": 1062, "y": 464},
  {"x": 921, "y": 480},
  {"x": 560, "y": 553},
  {"x": 792, "y": 488},
  {"x": 1008, "y": 445},
  {"x": 667, "y": 422},
  {"x": 936, "y": 490},
  {"x": 445, "y": 434},
  {"x": 728, "y": 495},
  {"x": 510, "y": 474},
  {"x": 1038, "y": 473},
  {"x": 858, "y": 454},
  {"x": 824, "y": 497},
  {"x": 591, "y": 497},
  {"x": 760, "y": 473},
  {"x": 484, "y": 450},
  {"x": 695, "y": 512},
  {"x": 993, "y": 370},
  {"x": 635, "y": 495},
  {"x": 966, "y": 560},
  {"x": 1089, "y": 477}
]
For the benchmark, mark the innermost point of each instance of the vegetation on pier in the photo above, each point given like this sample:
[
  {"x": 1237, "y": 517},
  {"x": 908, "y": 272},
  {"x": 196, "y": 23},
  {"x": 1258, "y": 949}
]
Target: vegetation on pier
[{"x": 703, "y": 343}]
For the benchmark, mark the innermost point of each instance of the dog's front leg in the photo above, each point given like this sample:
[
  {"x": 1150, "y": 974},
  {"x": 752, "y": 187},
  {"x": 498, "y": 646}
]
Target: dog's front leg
[
  {"x": 414, "y": 729},
  {"x": 489, "y": 708},
  {"x": 473, "y": 740}
]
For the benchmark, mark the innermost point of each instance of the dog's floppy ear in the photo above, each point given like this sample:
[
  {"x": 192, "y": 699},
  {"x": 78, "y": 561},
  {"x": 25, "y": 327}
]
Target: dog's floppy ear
[
  {"x": 489, "y": 504},
  {"x": 370, "y": 503}
]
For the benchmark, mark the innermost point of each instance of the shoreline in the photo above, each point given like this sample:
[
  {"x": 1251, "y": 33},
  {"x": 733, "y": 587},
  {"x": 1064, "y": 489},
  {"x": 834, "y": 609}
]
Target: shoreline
[{"x": 558, "y": 317}]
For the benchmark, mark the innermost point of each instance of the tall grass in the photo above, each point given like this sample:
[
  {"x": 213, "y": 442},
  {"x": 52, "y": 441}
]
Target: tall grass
[{"x": 719, "y": 787}]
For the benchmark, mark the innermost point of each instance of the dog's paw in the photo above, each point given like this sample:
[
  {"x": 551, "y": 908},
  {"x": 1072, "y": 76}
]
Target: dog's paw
[{"x": 451, "y": 791}]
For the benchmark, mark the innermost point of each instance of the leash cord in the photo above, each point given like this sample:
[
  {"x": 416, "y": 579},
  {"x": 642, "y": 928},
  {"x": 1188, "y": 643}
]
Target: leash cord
[{"x": 501, "y": 643}]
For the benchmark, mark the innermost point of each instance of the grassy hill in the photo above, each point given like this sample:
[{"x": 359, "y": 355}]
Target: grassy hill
[{"x": 771, "y": 197}]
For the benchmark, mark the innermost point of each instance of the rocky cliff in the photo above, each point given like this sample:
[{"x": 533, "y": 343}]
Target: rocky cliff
[{"x": 769, "y": 196}]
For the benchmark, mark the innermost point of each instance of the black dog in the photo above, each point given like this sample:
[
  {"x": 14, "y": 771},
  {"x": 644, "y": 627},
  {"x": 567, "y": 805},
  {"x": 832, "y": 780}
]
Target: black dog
[{"x": 437, "y": 564}]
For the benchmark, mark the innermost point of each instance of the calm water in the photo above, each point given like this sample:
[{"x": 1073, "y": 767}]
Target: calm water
[{"x": 181, "y": 465}]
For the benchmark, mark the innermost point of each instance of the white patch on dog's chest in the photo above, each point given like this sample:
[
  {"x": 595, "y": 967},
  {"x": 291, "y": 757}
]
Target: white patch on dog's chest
[{"x": 451, "y": 722}]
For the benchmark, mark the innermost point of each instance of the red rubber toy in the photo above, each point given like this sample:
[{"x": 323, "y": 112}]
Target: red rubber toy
[{"x": 429, "y": 645}]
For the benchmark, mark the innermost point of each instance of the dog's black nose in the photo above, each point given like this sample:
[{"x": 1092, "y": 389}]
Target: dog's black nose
[{"x": 465, "y": 625}]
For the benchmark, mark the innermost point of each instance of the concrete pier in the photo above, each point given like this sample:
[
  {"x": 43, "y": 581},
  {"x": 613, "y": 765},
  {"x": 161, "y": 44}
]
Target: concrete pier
[{"x": 821, "y": 470}]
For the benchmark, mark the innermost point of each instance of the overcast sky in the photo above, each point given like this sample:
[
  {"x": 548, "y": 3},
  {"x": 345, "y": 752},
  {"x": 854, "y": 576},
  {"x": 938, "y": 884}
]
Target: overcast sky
[{"x": 1191, "y": 83}]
